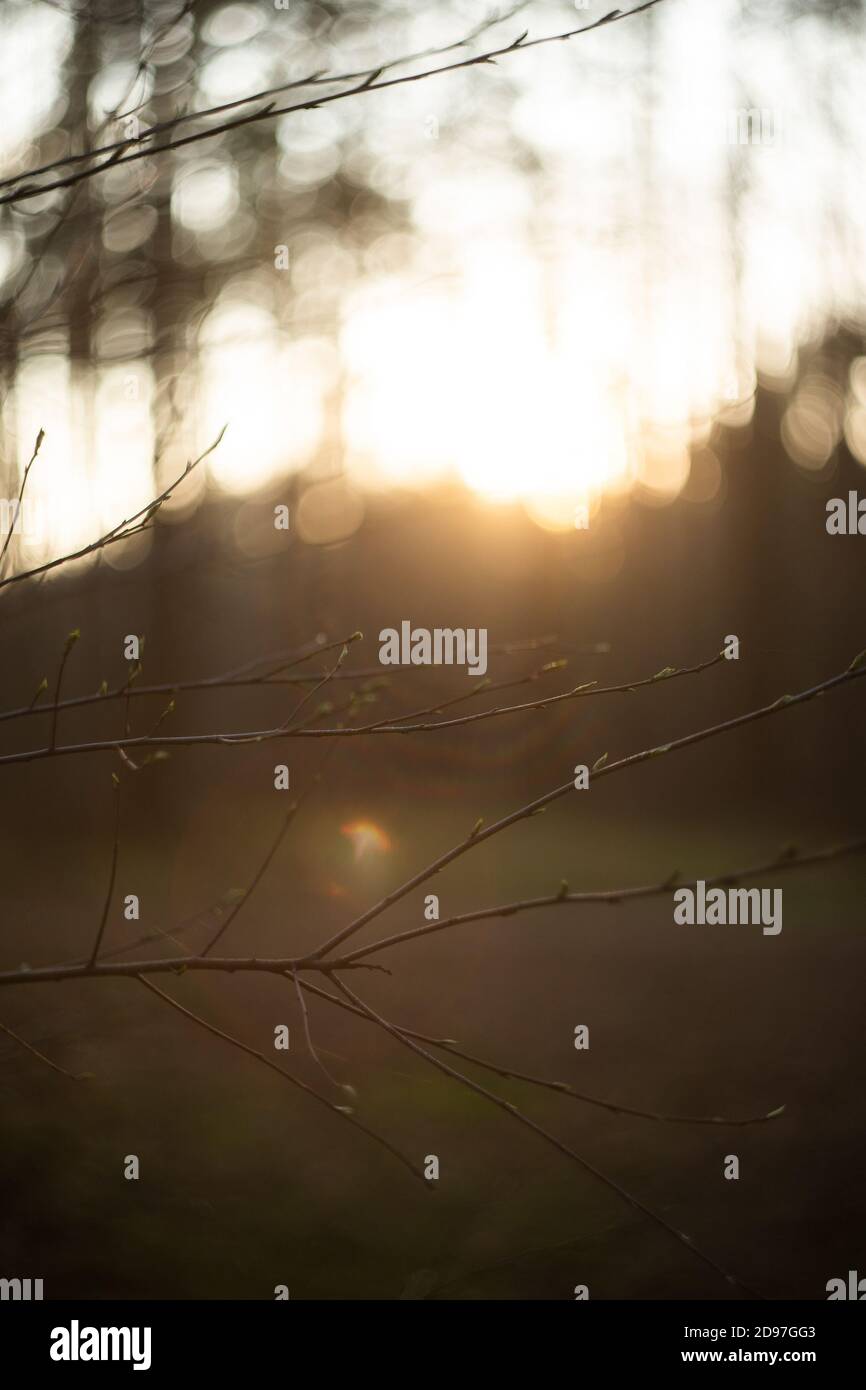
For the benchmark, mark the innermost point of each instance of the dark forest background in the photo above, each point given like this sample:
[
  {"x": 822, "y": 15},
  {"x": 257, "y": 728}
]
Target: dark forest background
[{"x": 245, "y": 1187}]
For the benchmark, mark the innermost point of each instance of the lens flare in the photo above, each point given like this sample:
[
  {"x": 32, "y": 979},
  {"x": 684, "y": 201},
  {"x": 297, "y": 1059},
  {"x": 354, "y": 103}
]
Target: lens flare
[{"x": 366, "y": 838}]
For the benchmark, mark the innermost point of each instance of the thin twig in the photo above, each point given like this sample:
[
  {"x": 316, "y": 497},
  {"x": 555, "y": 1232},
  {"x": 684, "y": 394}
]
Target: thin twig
[
  {"x": 269, "y": 856},
  {"x": 478, "y": 836},
  {"x": 37, "y": 446},
  {"x": 561, "y": 1087},
  {"x": 308, "y": 1036},
  {"x": 314, "y": 79},
  {"x": 380, "y": 727},
  {"x": 549, "y": 1138},
  {"x": 257, "y": 877},
  {"x": 67, "y": 648},
  {"x": 173, "y": 965},
  {"x": 342, "y": 1111},
  {"x": 132, "y": 526},
  {"x": 41, "y": 1055},
  {"x": 790, "y": 859},
  {"x": 109, "y": 894},
  {"x": 396, "y": 724},
  {"x": 272, "y": 110},
  {"x": 328, "y": 676},
  {"x": 240, "y": 677}
]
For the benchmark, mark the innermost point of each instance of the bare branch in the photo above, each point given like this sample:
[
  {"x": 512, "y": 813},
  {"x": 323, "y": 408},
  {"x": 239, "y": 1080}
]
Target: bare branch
[
  {"x": 266, "y": 862},
  {"x": 328, "y": 676},
  {"x": 590, "y": 688},
  {"x": 561, "y": 1087},
  {"x": 70, "y": 1076},
  {"x": 132, "y": 526},
  {"x": 315, "y": 78},
  {"x": 342, "y": 1111},
  {"x": 67, "y": 648},
  {"x": 112, "y": 872},
  {"x": 311, "y": 1048},
  {"x": 128, "y": 150},
  {"x": 479, "y": 836},
  {"x": 240, "y": 677},
  {"x": 37, "y": 446},
  {"x": 788, "y": 860},
  {"x": 380, "y": 727},
  {"x": 173, "y": 965},
  {"x": 549, "y": 1138}
]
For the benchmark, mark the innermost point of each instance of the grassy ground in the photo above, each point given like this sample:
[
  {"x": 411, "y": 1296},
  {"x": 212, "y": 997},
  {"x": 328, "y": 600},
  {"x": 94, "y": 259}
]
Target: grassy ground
[{"x": 245, "y": 1184}]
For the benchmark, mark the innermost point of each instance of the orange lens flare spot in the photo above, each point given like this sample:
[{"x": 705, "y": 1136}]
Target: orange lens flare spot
[{"x": 366, "y": 837}]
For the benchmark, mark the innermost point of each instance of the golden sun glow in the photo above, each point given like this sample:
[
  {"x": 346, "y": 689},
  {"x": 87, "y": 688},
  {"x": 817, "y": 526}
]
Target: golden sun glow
[{"x": 546, "y": 332}]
